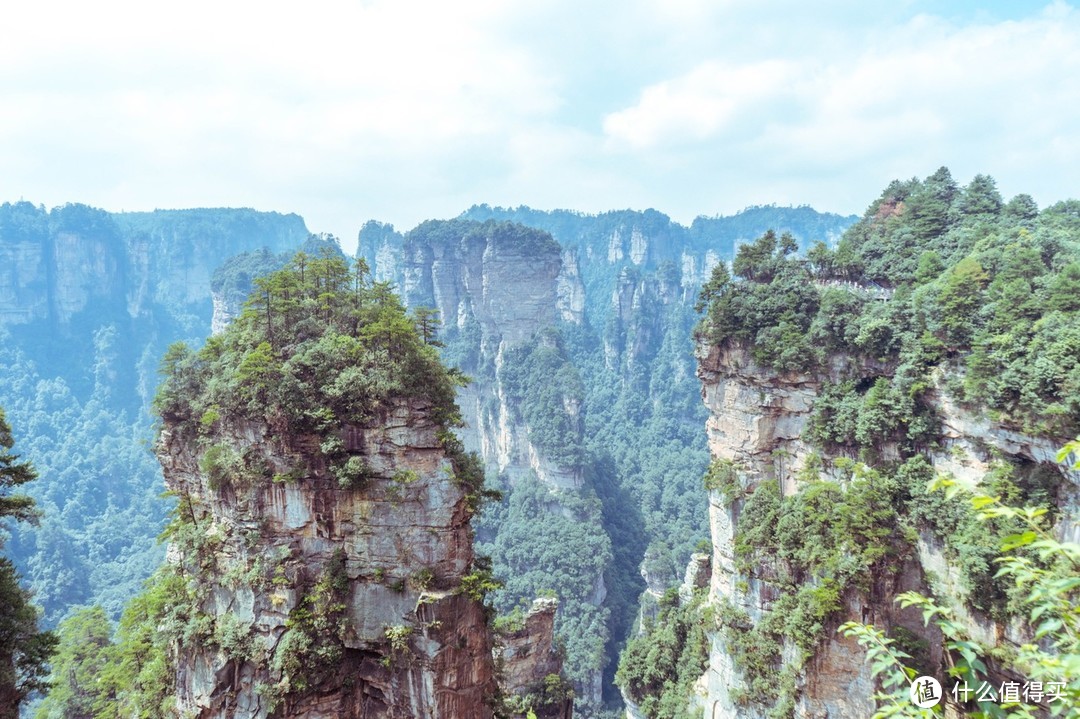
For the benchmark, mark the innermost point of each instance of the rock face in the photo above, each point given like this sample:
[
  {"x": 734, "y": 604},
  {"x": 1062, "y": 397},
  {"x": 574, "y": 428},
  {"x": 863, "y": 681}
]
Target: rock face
[
  {"x": 606, "y": 243},
  {"x": 412, "y": 643},
  {"x": 529, "y": 658},
  {"x": 510, "y": 294},
  {"x": 68, "y": 273},
  {"x": 56, "y": 264},
  {"x": 49, "y": 271},
  {"x": 754, "y": 412},
  {"x": 622, "y": 284},
  {"x": 495, "y": 292},
  {"x": 757, "y": 418}
]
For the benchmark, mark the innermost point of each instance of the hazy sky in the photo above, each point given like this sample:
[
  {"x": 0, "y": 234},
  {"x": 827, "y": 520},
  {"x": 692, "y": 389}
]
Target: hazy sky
[{"x": 344, "y": 111}]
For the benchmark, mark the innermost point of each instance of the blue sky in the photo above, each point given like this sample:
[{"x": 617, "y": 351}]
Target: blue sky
[{"x": 344, "y": 111}]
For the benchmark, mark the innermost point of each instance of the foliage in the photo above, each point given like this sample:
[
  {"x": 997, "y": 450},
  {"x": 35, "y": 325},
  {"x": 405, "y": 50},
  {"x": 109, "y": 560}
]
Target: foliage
[
  {"x": 769, "y": 304},
  {"x": 1045, "y": 572},
  {"x": 311, "y": 648},
  {"x": 723, "y": 477},
  {"x": 659, "y": 665},
  {"x": 973, "y": 543},
  {"x": 546, "y": 696},
  {"x": 80, "y": 669},
  {"x": 100, "y": 486},
  {"x": 315, "y": 336},
  {"x": 886, "y": 661},
  {"x": 812, "y": 546},
  {"x": 24, "y": 650},
  {"x": 540, "y": 383},
  {"x": 510, "y": 623},
  {"x": 13, "y": 474},
  {"x": 478, "y": 583},
  {"x": 932, "y": 273},
  {"x": 133, "y": 673},
  {"x": 539, "y": 550},
  {"x": 319, "y": 346},
  {"x": 505, "y": 236}
]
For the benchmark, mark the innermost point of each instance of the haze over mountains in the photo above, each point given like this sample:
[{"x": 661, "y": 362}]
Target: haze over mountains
[
  {"x": 844, "y": 363},
  {"x": 90, "y": 300}
]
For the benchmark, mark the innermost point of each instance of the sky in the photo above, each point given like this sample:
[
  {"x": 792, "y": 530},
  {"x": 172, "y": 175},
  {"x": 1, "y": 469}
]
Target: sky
[{"x": 404, "y": 110}]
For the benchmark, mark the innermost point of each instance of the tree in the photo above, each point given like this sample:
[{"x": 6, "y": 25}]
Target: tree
[
  {"x": 1022, "y": 210},
  {"x": 822, "y": 260},
  {"x": 714, "y": 288},
  {"x": 80, "y": 688},
  {"x": 980, "y": 197},
  {"x": 13, "y": 473},
  {"x": 428, "y": 323},
  {"x": 755, "y": 261},
  {"x": 1046, "y": 580},
  {"x": 960, "y": 298},
  {"x": 24, "y": 651},
  {"x": 930, "y": 208}
]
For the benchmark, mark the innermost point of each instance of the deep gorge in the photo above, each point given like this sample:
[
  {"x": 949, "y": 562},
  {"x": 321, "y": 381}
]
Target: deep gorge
[{"x": 842, "y": 364}]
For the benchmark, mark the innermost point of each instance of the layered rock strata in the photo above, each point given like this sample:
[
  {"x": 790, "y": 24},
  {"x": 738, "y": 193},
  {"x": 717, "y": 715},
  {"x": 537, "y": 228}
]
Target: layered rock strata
[
  {"x": 757, "y": 421},
  {"x": 408, "y": 641},
  {"x": 530, "y": 661}
]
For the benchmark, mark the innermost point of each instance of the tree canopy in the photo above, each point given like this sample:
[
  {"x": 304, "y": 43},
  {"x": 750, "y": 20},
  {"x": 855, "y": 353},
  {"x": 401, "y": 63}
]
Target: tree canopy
[
  {"x": 24, "y": 651},
  {"x": 319, "y": 344}
]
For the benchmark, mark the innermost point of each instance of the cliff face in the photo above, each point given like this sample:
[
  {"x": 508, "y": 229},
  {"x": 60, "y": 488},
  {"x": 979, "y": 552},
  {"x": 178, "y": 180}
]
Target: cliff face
[
  {"x": 530, "y": 663},
  {"x": 57, "y": 264},
  {"x": 394, "y": 554},
  {"x": 753, "y": 413},
  {"x": 496, "y": 293},
  {"x": 757, "y": 421},
  {"x": 175, "y": 252},
  {"x": 610, "y": 305},
  {"x": 604, "y": 244}
]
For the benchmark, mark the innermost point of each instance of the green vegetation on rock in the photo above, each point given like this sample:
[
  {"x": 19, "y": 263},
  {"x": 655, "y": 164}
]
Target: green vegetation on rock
[
  {"x": 660, "y": 664},
  {"x": 24, "y": 650},
  {"x": 939, "y": 296},
  {"x": 319, "y": 346},
  {"x": 932, "y": 275}
]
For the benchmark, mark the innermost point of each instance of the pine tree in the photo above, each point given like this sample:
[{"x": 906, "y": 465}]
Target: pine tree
[{"x": 24, "y": 651}]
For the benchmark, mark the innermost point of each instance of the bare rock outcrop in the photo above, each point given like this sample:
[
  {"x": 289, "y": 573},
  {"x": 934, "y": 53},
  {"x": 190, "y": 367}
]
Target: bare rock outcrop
[
  {"x": 531, "y": 664},
  {"x": 299, "y": 570},
  {"x": 757, "y": 421}
]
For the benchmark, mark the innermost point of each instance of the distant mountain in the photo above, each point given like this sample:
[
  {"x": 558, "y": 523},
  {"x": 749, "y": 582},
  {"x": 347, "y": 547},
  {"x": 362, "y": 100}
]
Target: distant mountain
[
  {"x": 576, "y": 332},
  {"x": 584, "y": 402},
  {"x": 89, "y": 300}
]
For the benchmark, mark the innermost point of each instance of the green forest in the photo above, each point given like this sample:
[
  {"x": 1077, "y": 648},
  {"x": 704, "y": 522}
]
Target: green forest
[
  {"x": 318, "y": 345},
  {"x": 938, "y": 291}
]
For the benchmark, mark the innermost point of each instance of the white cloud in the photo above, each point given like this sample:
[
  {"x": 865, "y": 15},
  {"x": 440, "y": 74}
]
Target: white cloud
[
  {"x": 402, "y": 110},
  {"x": 704, "y": 103},
  {"x": 997, "y": 97}
]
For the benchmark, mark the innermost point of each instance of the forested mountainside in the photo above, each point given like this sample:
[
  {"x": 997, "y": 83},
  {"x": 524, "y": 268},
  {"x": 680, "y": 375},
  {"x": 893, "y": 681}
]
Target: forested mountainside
[
  {"x": 88, "y": 303},
  {"x": 91, "y": 300},
  {"x": 938, "y": 335},
  {"x": 320, "y": 553},
  {"x": 584, "y": 403},
  {"x": 939, "y": 339}
]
